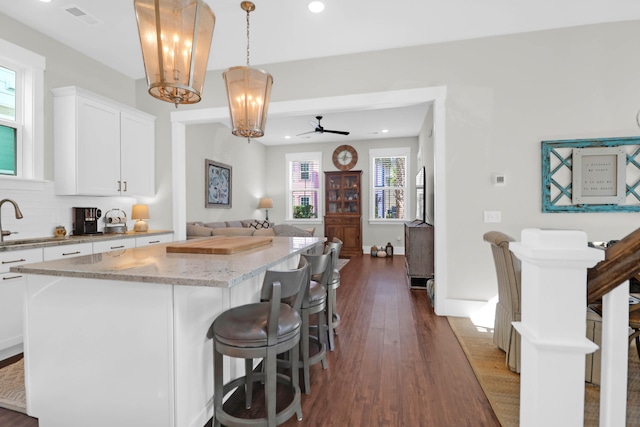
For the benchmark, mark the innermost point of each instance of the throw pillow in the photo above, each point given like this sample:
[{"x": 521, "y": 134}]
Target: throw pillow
[{"x": 259, "y": 224}]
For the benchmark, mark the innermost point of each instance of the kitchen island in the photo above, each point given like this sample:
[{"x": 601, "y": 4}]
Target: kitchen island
[{"x": 121, "y": 338}]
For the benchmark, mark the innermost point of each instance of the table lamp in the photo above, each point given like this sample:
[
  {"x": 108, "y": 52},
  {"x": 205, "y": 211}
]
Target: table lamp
[
  {"x": 140, "y": 212},
  {"x": 265, "y": 203}
]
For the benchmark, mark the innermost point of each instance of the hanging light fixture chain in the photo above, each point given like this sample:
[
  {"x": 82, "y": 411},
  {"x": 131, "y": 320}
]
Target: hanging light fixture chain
[{"x": 248, "y": 11}]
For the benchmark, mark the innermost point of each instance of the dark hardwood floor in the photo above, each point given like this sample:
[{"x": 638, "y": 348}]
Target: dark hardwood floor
[{"x": 396, "y": 362}]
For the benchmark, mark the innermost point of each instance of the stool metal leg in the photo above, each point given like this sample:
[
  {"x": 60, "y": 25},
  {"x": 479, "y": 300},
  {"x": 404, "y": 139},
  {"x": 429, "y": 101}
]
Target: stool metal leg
[
  {"x": 248, "y": 387},
  {"x": 218, "y": 382}
]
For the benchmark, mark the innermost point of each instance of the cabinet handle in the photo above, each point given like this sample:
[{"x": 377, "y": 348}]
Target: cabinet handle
[
  {"x": 15, "y": 260},
  {"x": 125, "y": 186},
  {"x": 117, "y": 247},
  {"x": 71, "y": 253},
  {"x": 119, "y": 186},
  {"x": 154, "y": 241},
  {"x": 11, "y": 277}
]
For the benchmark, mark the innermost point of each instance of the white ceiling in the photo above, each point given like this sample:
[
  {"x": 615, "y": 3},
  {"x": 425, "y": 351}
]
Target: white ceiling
[{"x": 285, "y": 30}]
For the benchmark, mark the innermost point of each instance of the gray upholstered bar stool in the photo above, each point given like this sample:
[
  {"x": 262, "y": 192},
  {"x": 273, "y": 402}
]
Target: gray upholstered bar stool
[
  {"x": 315, "y": 302},
  {"x": 333, "y": 318},
  {"x": 262, "y": 330}
]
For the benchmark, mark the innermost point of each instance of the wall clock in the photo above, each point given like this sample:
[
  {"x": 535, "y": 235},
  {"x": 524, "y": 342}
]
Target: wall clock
[{"x": 345, "y": 157}]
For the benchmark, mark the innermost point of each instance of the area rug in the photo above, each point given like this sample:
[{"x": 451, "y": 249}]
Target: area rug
[
  {"x": 12, "y": 394},
  {"x": 342, "y": 262},
  {"x": 502, "y": 387}
]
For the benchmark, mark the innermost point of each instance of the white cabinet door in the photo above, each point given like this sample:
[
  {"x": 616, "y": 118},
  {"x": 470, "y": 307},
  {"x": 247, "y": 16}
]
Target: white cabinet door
[
  {"x": 98, "y": 148},
  {"x": 101, "y": 147},
  {"x": 137, "y": 148},
  {"x": 12, "y": 300}
]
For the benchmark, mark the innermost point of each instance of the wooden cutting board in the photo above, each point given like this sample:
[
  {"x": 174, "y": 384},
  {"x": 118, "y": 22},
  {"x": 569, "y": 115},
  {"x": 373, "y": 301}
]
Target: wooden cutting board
[{"x": 220, "y": 245}]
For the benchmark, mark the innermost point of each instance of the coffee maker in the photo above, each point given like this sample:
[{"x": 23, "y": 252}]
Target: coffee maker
[{"x": 85, "y": 220}]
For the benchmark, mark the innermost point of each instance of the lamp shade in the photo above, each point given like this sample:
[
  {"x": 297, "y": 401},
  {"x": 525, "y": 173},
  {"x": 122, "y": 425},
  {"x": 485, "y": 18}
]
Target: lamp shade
[
  {"x": 140, "y": 212},
  {"x": 248, "y": 91},
  {"x": 175, "y": 36},
  {"x": 265, "y": 203}
]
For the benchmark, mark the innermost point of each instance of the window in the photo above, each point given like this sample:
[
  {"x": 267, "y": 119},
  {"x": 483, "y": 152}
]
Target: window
[
  {"x": 21, "y": 113},
  {"x": 390, "y": 193},
  {"x": 9, "y": 123},
  {"x": 303, "y": 186}
]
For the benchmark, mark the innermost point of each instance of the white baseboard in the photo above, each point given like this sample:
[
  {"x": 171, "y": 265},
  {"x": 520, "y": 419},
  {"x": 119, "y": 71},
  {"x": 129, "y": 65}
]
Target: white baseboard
[{"x": 11, "y": 351}]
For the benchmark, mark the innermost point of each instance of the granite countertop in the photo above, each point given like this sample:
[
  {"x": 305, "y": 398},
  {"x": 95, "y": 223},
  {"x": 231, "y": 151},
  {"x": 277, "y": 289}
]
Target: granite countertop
[
  {"x": 41, "y": 242},
  {"x": 152, "y": 264}
]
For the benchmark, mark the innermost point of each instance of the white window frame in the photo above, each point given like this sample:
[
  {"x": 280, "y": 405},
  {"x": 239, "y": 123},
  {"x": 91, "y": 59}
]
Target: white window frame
[
  {"x": 390, "y": 152},
  {"x": 29, "y": 68},
  {"x": 315, "y": 156}
]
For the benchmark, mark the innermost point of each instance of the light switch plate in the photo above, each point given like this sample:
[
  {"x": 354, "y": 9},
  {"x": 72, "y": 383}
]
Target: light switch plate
[{"x": 492, "y": 216}]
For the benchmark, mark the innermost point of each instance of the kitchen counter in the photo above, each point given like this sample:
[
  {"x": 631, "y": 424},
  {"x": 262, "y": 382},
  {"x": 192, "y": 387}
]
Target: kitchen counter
[
  {"x": 43, "y": 242},
  {"x": 154, "y": 265},
  {"x": 121, "y": 338}
]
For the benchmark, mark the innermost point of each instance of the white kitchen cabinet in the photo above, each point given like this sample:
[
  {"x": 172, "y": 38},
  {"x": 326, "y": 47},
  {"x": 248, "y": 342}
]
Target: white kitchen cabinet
[
  {"x": 12, "y": 300},
  {"x": 51, "y": 253},
  {"x": 153, "y": 239},
  {"x": 102, "y": 148}
]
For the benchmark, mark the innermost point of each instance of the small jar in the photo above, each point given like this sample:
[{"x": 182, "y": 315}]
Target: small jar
[
  {"x": 374, "y": 250},
  {"x": 60, "y": 232}
]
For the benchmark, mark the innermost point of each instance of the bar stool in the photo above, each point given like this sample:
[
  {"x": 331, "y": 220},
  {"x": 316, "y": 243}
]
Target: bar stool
[
  {"x": 315, "y": 302},
  {"x": 333, "y": 318},
  {"x": 262, "y": 330}
]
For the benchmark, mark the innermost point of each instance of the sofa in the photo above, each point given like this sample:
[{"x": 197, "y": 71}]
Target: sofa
[{"x": 245, "y": 227}]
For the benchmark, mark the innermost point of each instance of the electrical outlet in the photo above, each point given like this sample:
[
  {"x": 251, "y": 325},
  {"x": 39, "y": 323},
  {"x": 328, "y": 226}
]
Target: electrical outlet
[{"x": 492, "y": 216}]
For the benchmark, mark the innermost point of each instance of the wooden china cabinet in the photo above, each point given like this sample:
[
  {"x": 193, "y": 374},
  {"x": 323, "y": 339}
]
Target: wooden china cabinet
[{"x": 343, "y": 214}]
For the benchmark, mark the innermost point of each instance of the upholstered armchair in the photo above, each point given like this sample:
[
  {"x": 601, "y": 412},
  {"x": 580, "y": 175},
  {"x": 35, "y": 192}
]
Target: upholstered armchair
[{"x": 508, "y": 307}]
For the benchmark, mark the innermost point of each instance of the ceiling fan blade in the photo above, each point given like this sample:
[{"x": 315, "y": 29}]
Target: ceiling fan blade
[
  {"x": 339, "y": 132},
  {"x": 305, "y": 133},
  {"x": 314, "y": 124}
]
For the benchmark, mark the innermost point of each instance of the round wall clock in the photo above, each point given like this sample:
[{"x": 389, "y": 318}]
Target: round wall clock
[{"x": 345, "y": 157}]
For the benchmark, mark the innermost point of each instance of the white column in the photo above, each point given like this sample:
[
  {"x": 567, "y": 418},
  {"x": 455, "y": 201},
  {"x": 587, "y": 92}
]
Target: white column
[
  {"x": 554, "y": 343},
  {"x": 615, "y": 355}
]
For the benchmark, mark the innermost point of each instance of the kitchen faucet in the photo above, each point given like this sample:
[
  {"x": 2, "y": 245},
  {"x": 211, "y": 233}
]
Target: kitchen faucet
[{"x": 18, "y": 216}]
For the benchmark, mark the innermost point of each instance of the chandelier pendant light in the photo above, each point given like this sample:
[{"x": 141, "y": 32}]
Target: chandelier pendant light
[
  {"x": 248, "y": 91},
  {"x": 175, "y": 36}
]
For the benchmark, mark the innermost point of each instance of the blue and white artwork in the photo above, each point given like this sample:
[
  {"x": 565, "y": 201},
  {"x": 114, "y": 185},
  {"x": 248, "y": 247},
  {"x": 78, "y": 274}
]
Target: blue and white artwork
[{"x": 218, "y": 185}]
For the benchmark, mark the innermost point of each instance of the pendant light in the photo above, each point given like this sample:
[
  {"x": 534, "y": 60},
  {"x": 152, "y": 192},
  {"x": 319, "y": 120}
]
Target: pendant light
[
  {"x": 248, "y": 91},
  {"x": 175, "y": 36}
]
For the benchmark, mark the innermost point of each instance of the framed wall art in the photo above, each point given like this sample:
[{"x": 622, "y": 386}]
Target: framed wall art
[
  {"x": 591, "y": 175},
  {"x": 217, "y": 187}
]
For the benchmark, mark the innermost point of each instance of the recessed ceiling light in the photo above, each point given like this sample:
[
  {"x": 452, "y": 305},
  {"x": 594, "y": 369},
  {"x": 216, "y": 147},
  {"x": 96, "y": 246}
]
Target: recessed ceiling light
[
  {"x": 316, "y": 6},
  {"x": 287, "y": 137},
  {"x": 45, "y": 1},
  {"x": 384, "y": 130}
]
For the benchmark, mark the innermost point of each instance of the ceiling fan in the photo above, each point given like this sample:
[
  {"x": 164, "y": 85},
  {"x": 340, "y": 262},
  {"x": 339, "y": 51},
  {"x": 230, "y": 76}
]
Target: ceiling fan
[{"x": 319, "y": 129}]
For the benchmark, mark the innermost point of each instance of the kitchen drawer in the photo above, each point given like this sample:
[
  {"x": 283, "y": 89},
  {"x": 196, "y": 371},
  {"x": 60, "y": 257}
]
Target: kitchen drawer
[
  {"x": 15, "y": 258},
  {"x": 154, "y": 239},
  {"x": 67, "y": 251},
  {"x": 113, "y": 245},
  {"x": 342, "y": 220}
]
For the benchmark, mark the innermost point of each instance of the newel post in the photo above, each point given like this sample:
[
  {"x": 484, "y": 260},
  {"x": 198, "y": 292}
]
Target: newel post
[{"x": 553, "y": 325}]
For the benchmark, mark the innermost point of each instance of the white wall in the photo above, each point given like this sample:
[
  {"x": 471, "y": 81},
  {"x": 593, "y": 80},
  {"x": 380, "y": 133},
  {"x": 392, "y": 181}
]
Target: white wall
[
  {"x": 42, "y": 209},
  {"x": 214, "y": 142},
  {"x": 504, "y": 95}
]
